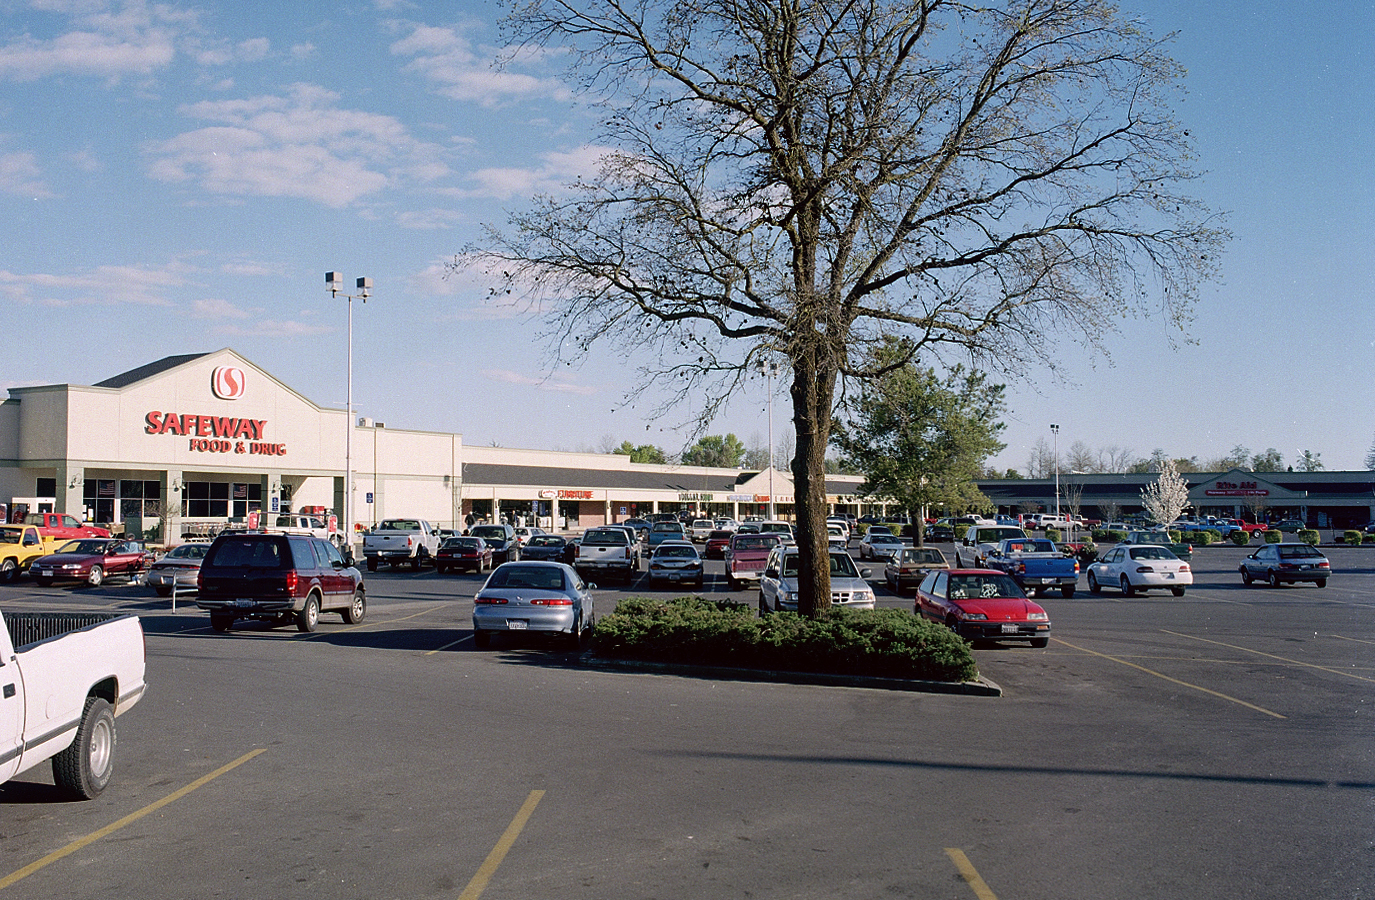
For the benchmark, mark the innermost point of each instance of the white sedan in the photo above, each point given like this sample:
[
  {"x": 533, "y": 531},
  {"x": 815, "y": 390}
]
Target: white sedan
[{"x": 1140, "y": 567}]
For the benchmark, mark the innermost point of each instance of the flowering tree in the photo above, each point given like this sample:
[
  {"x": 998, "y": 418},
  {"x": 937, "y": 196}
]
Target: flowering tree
[{"x": 1167, "y": 496}]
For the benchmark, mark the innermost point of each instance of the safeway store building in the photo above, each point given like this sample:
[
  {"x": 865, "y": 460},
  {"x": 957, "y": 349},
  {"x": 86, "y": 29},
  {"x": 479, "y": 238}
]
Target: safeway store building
[{"x": 192, "y": 442}]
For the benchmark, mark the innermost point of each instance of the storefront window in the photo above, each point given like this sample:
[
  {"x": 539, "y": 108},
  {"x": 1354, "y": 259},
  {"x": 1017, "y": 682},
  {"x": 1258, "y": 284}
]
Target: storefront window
[{"x": 207, "y": 499}]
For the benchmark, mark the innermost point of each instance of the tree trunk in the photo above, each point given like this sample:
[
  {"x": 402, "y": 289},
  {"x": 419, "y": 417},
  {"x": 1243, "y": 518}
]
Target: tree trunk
[{"x": 813, "y": 391}]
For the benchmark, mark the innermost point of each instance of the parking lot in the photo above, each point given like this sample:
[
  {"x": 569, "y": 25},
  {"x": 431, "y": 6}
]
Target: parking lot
[{"x": 1215, "y": 745}]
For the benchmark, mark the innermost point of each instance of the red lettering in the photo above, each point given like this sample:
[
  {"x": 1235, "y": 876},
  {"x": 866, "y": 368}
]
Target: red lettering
[{"x": 154, "y": 423}]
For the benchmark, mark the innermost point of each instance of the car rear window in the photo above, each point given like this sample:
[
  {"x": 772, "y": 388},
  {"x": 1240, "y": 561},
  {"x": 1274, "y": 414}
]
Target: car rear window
[
  {"x": 248, "y": 552},
  {"x": 547, "y": 540},
  {"x": 609, "y": 537},
  {"x": 518, "y": 576},
  {"x": 490, "y": 532},
  {"x": 675, "y": 551},
  {"x": 1303, "y": 552}
]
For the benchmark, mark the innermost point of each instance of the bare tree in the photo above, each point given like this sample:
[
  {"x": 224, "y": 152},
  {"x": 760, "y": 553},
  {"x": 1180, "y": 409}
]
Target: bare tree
[
  {"x": 1167, "y": 496},
  {"x": 1041, "y": 462},
  {"x": 1073, "y": 502},
  {"x": 1257, "y": 505},
  {"x": 1110, "y": 510},
  {"x": 1080, "y": 458},
  {"x": 1115, "y": 459},
  {"x": 793, "y": 182}
]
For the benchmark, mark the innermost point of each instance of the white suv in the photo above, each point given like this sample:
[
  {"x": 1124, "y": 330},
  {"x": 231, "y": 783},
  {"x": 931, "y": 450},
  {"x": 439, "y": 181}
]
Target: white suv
[{"x": 778, "y": 585}]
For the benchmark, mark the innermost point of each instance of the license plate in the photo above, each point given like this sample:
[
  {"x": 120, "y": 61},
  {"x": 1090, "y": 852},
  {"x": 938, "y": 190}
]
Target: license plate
[
  {"x": 242, "y": 602},
  {"x": 1010, "y": 628},
  {"x": 43, "y": 572},
  {"x": 1044, "y": 580},
  {"x": 517, "y": 624}
]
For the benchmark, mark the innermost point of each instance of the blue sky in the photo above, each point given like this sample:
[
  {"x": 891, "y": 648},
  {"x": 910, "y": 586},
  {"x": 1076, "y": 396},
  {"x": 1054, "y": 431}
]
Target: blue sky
[{"x": 178, "y": 178}]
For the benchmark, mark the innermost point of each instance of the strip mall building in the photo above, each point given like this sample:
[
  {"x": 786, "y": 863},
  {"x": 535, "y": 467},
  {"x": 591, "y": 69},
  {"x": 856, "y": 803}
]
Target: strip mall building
[
  {"x": 195, "y": 441},
  {"x": 201, "y": 439}
]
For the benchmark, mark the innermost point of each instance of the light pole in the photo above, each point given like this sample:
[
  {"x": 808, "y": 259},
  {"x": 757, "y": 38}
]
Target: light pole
[
  {"x": 1055, "y": 444},
  {"x": 335, "y": 282},
  {"x": 770, "y": 369}
]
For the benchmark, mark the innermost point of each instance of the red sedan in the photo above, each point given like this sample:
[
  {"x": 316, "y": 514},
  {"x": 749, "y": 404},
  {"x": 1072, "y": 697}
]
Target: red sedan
[
  {"x": 92, "y": 560},
  {"x": 463, "y": 553},
  {"x": 982, "y": 605}
]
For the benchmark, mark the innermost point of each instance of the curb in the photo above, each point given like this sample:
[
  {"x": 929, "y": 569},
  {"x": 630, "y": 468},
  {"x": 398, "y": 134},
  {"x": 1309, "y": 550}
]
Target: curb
[{"x": 981, "y": 687}]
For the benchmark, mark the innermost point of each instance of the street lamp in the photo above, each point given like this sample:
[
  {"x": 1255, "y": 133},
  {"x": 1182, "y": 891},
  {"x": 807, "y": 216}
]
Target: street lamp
[
  {"x": 770, "y": 369},
  {"x": 1055, "y": 430},
  {"x": 335, "y": 282}
]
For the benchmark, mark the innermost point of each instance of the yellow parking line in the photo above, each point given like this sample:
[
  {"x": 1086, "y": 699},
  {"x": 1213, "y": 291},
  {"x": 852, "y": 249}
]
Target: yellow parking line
[
  {"x": 493, "y": 861},
  {"x": 1286, "y": 659},
  {"x": 115, "y": 826},
  {"x": 970, "y": 874},
  {"x": 1186, "y": 684},
  {"x": 1342, "y": 637}
]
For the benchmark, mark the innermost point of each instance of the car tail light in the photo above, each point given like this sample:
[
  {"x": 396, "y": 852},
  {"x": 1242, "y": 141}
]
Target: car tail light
[
  {"x": 1183, "y": 567},
  {"x": 1021, "y": 568},
  {"x": 1324, "y": 565},
  {"x": 200, "y": 580},
  {"x": 1076, "y": 567},
  {"x": 627, "y": 551},
  {"x": 551, "y": 601},
  {"x": 489, "y": 601},
  {"x": 1144, "y": 569},
  {"x": 292, "y": 582},
  {"x": 577, "y": 550}
]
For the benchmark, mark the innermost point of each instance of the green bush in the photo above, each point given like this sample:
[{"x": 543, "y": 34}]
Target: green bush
[
  {"x": 1241, "y": 538},
  {"x": 1086, "y": 554},
  {"x": 1273, "y": 537},
  {"x": 1176, "y": 537},
  {"x": 1203, "y": 538},
  {"x": 1053, "y": 534},
  {"x": 1310, "y": 537},
  {"x": 1351, "y": 537},
  {"x": 1368, "y": 538},
  {"x": 959, "y": 532},
  {"x": 884, "y": 642}
]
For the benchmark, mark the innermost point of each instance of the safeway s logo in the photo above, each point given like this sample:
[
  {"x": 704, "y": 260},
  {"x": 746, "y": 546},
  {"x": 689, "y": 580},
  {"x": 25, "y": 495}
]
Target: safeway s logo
[{"x": 228, "y": 382}]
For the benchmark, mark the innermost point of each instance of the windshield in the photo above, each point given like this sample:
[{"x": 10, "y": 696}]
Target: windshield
[
  {"x": 983, "y": 587},
  {"x": 488, "y": 532},
  {"x": 841, "y": 566},
  {"x": 517, "y": 576},
  {"x": 546, "y": 540},
  {"x": 399, "y": 525},
  {"x": 83, "y": 547},
  {"x": 188, "y": 551}
]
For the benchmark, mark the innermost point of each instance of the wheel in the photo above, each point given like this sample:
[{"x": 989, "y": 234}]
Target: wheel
[
  {"x": 1066, "y": 591},
  {"x": 356, "y": 610},
  {"x": 222, "y": 624},
  {"x": 763, "y": 605},
  {"x": 163, "y": 590},
  {"x": 372, "y": 564},
  {"x": 732, "y": 583},
  {"x": 1246, "y": 578},
  {"x": 1273, "y": 577},
  {"x": 9, "y": 570},
  {"x": 97, "y": 576},
  {"x": 416, "y": 561},
  {"x": 575, "y": 639},
  {"x": 1178, "y": 592},
  {"x": 1127, "y": 589},
  {"x": 1040, "y": 643},
  {"x": 1094, "y": 586},
  {"x": 440, "y": 570},
  {"x": 1321, "y": 582},
  {"x": 482, "y": 638},
  {"x": 84, "y": 768},
  {"x": 309, "y": 616}
]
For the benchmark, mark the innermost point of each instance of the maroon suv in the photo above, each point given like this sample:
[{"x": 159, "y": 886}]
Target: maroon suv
[{"x": 278, "y": 578}]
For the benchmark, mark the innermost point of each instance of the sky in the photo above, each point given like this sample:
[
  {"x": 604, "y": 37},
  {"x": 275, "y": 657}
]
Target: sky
[{"x": 178, "y": 177}]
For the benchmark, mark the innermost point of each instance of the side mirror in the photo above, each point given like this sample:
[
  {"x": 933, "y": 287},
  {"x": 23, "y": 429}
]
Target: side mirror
[
  {"x": 866, "y": 573},
  {"x": 348, "y": 557}
]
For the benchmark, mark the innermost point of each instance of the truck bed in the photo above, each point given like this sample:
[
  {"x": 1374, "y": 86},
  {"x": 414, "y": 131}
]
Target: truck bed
[{"x": 29, "y": 629}]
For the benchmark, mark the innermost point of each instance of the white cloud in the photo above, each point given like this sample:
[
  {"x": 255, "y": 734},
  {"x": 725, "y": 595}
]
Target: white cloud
[
  {"x": 139, "y": 285},
  {"x": 557, "y": 382},
  {"x": 216, "y": 308},
  {"x": 276, "y": 328},
  {"x": 20, "y": 175},
  {"x": 299, "y": 145},
  {"x": 462, "y": 71},
  {"x": 104, "y": 40},
  {"x": 558, "y": 171}
]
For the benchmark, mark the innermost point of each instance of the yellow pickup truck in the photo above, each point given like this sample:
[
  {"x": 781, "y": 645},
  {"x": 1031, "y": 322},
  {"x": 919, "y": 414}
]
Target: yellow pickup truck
[{"x": 20, "y": 545}]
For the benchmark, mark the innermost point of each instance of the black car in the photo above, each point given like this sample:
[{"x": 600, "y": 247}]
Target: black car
[
  {"x": 278, "y": 578},
  {"x": 1279, "y": 564},
  {"x": 549, "y": 548},
  {"x": 940, "y": 534},
  {"x": 502, "y": 540}
]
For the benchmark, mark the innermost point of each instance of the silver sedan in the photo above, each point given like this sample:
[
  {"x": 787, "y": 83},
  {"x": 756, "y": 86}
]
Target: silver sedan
[
  {"x": 544, "y": 597},
  {"x": 178, "y": 568}
]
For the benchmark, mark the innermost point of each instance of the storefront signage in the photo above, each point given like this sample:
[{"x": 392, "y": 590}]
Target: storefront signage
[
  {"x": 228, "y": 382},
  {"x": 548, "y": 494},
  {"x": 761, "y": 498},
  {"x": 696, "y": 498},
  {"x": 575, "y": 495},
  {"x": 215, "y": 434},
  {"x": 739, "y": 498},
  {"x": 1236, "y": 489}
]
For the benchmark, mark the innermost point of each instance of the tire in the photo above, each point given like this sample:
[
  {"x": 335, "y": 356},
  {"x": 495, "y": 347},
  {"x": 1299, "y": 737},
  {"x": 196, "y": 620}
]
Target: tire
[
  {"x": 309, "y": 616},
  {"x": 416, "y": 561},
  {"x": 1094, "y": 586},
  {"x": 357, "y": 610},
  {"x": 84, "y": 768},
  {"x": 1127, "y": 589},
  {"x": 732, "y": 583},
  {"x": 1273, "y": 577},
  {"x": 9, "y": 570},
  {"x": 1321, "y": 582},
  {"x": 1067, "y": 591},
  {"x": 222, "y": 624},
  {"x": 1178, "y": 592},
  {"x": 1246, "y": 578},
  {"x": 163, "y": 590},
  {"x": 575, "y": 639},
  {"x": 97, "y": 576},
  {"x": 372, "y": 564},
  {"x": 482, "y": 638},
  {"x": 763, "y": 605},
  {"x": 1040, "y": 643}
]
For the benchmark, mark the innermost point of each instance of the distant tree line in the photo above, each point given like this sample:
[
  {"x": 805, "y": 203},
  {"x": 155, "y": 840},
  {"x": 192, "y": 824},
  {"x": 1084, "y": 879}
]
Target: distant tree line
[{"x": 1080, "y": 459}]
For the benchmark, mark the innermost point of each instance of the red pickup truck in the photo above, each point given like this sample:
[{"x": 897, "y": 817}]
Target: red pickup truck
[{"x": 61, "y": 525}]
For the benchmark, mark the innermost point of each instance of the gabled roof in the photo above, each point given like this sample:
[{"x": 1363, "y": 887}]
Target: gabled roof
[{"x": 148, "y": 371}]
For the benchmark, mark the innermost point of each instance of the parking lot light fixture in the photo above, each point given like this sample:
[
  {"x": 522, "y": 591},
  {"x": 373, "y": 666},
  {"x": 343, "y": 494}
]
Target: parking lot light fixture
[
  {"x": 1055, "y": 452},
  {"x": 335, "y": 282}
]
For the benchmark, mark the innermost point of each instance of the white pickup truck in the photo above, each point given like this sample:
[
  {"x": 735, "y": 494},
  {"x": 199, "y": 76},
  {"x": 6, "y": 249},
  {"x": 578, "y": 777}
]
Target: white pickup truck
[
  {"x": 397, "y": 541},
  {"x": 64, "y": 677}
]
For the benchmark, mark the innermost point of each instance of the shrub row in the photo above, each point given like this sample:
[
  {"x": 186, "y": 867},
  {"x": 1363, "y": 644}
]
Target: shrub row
[{"x": 890, "y": 643}]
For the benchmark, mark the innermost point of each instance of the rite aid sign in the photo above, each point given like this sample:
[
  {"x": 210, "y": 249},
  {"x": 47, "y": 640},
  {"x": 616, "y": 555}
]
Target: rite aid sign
[{"x": 228, "y": 382}]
